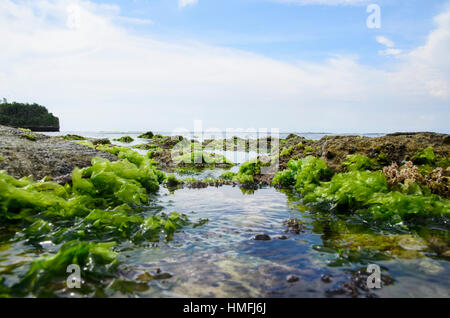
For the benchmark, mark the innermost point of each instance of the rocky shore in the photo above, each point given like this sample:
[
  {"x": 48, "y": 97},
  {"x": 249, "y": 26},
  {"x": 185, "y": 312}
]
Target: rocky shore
[{"x": 24, "y": 153}]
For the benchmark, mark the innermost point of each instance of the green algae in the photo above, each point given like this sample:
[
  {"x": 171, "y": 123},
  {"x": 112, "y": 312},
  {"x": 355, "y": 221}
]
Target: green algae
[
  {"x": 29, "y": 137},
  {"x": 365, "y": 193},
  {"x": 124, "y": 139},
  {"x": 358, "y": 162},
  {"x": 73, "y": 137},
  {"x": 147, "y": 135},
  {"x": 228, "y": 175},
  {"x": 424, "y": 156},
  {"x": 104, "y": 203}
]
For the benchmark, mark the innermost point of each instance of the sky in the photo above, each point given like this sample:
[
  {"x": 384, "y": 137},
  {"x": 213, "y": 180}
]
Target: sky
[{"x": 294, "y": 65}]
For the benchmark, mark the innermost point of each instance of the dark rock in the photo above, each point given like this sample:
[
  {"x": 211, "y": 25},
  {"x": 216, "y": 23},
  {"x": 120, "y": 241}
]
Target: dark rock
[
  {"x": 326, "y": 278},
  {"x": 101, "y": 141},
  {"x": 262, "y": 237},
  {"x": 283, "y": 237},
  {"x": 292, "y": 279}
]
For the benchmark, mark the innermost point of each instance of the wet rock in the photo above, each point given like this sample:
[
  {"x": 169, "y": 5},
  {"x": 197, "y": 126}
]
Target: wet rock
[
  {"x": 101, "y": 141},
  {"x": 283, "y": 237},
  {"x": 326, "y": 278},
  {"x": 45, "y": 157},
  {"x": 293, "y": 226},
  {"x": 262, "y": 237},
  {"x": 356, "y": 285},
  {"x": 292, "y": 279}
]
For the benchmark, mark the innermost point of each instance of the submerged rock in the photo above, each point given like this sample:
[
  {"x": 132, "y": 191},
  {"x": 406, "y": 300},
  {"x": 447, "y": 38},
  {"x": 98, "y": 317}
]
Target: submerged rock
[
  {"x": 262, "y": 237},
  {"x": 292, "y": 279}
]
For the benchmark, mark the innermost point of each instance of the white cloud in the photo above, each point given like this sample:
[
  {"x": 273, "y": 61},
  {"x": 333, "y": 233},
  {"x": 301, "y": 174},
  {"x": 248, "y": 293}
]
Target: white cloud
[
  {"x": 324, "y": 2},
  {"x": 185, "y": 3},
  {"x": 390, "y": 50},
  {"x": 385, "y": 41},
  {"x": 95, "y": 75}
]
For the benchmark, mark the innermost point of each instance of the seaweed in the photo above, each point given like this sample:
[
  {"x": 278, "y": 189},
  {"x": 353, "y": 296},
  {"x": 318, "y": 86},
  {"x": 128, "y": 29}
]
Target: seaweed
[
  {"x": 124, "y": 139},
  {"x": 357, "y": 162},
  {"x": 424, "y": 157}
]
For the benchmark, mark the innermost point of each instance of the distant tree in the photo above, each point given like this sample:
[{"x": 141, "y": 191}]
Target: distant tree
[{"x": 26, "y": 115}]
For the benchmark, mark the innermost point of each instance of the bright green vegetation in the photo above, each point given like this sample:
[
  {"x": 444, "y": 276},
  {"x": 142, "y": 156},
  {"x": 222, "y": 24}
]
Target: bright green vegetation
[
  {"x": 147, "y": 135},
  {"x": 228, "y": 175},
  {"x": 425, "y": 156},
  {"x": 247, "y": 170},
  {"x": 73, "y": 137},
  {"x": 29, "y": 137},
  {"x": 200, "y": 157},
  {"x": 125, "y": 139},
  {"x": 172, "y": 181},
  {"x": 27, "y": 116},
  {"x": 360, "y": 191},
  {"x": 358, "y": 162},
  {"x": 106, "y": 202}
]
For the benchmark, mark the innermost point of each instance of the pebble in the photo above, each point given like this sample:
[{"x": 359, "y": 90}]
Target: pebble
[
  {"x": 262, "y": 237},
  {"x": 292, "y": 279},
  {"x": 326, "y": 278}
]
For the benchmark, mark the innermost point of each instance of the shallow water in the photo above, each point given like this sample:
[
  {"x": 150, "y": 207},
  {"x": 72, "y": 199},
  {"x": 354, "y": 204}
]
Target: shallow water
[{"x": 221, "y": 258}]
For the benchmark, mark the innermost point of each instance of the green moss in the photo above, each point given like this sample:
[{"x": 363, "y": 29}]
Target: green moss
[
  {"x": 172, "y": 181},
  {"x": 243, "y": 179},
  {"x": 285, "y": 178},
  {"x": 308, "y": 149},
  {"x": 200, "y": 157},
  {"x": 309, "y": 172},
  {"x": 29, "y": 137},
  {"x": 424, "y": 157},
  {"x": 93, "y": 258},
  {"x": 251, "y": 168},
  {"x": 357, "y": 162},
  {"x": 286, "y": 152},
  {"x": 124, "y": 139},
  {"x": 351, "y": 190},
  {"x": 73, "y": 137},
  {"x": 147, "y": 135},
  {"x": 228, "y": 175}
]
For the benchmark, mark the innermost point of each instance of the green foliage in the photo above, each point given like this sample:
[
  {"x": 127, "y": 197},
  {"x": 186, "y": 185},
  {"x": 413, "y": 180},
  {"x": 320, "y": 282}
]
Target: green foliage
[
  {"x": 308, "y": 149},
  {"x": 73, "y": 137},
  {"x": 286, "y": 152},
  {"x": 424, "y": 157},
  {"x": 228, "y": 175},
  {"x": 172, "y": 181},
  {"x": 125, "y": 139},
  {"x": 243, "y": 179},
  {"x": 200, "y": 157},
  {"x": 351, "y": 190},
  {"x": 357, "y": 162},
  {"x": 26, "y": 115},
  {"x": 251, "y": 168},
  {"x": 91, "y": 257},
  {"x": 396, "y": 206},
  {"x": 285, "y": 178},
  {"x": 309, "y": 172},
  {"x": 147, "y": 135},
  {"x": 29, "y": 137}
]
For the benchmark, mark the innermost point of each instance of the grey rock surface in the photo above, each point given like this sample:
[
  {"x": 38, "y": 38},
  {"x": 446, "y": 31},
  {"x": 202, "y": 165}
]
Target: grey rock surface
[{"x": 44, "y": 156}]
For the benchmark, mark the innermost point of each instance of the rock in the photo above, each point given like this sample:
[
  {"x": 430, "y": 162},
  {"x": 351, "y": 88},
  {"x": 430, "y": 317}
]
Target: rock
[
  {"x": 45, "y": 157},
  {"x": 101, "y": 141},
  {"x": 292, "y": 279},
  {"x": 446, "y": 254},
  {"x": 262, "y": 237},
  {"x": 283, "y": 237},
  {"x": 326, "y": 278},
  {"x": 147, "y": 135}
]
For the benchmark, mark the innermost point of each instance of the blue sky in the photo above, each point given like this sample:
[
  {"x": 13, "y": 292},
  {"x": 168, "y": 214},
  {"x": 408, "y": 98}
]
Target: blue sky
[
  {"x": 287, "y": 31},
  {"x": 296, "y": 65}
]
